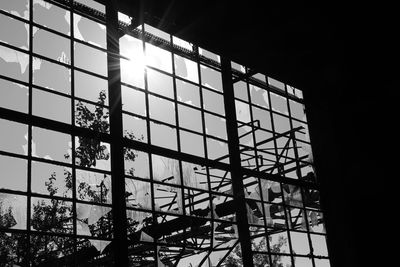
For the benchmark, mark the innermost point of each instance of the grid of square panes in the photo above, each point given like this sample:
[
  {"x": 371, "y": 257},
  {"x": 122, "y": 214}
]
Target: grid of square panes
[
  {"x": 170, "y": 100},
  {"x": 272, "y": 126},
  {"x": 55, "y": 190},
  {"x": 177, "y": 207}
]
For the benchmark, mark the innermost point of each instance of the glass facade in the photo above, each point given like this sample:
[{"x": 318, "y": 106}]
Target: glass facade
[{"x": 64, "y": 137}]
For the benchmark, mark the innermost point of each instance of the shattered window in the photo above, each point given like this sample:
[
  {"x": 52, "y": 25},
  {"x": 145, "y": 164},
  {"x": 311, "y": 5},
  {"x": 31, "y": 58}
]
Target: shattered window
[{"x": 156, "y": 137}]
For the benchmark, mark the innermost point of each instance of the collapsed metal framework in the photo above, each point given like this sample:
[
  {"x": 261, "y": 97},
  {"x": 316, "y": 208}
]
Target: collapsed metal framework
[{"x": 191, "y": 235}]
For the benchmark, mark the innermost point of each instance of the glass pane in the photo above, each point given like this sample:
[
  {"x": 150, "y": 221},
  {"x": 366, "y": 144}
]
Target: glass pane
[
  {"x": 13, "y": 96},
  {"x": 13, "y": 173},
  {"x": 240, "y": 90},
  {"x": 262, "y": 118},
  {"x": 297, "y": 110},
  {"x": 160, "y": 83},
  {"x": 319, "y": 245},
  {"x": 90, "y": 59},
  {"x": 58, "y": 50},
  {"x": 52, "y": 76},
  {"x": 215, "y": 126},
  {"x": 134, "y": 128},
  {"x": 281, "y": 123},
  {"x": 90, "y": 87},
  {"x": 211, "y": 78},
  {"x": 192, "y": 144},
  {"x": 209, "y": 55},
  {"x": 92, "y": 153},
  {"x": 300, "y": 243},
  {"x": 92, "y": 117},
  {"x": 138, "y": 194},
  {"x": 90, "y": 31},
  {"x": 51, "y": 106},
  {"x": 182, "y": 43},
  {"x": 12, "y": 211},
  {"x": 163, "y": 35},
  {"x": 51, "y": 145},
  {"x": 322, "y": 262},
  {"x": 279, "y": 103},
  {"x": 158, "y": 58},
  {"x": 276, "y": 84},
  {"x": 187, "y": 93},
  {"x": 14, "y": 64},
  {"x": 53, "y": 180},
  {"x": 186, "y": 69},
  {"x": 194, "y": 175},
  {"x": 217, "y": 150},
  {"x": 243, "y": 112},
  {"x": 213, "y": 102},
  {"x": 162, "y": 110},
  {"x": 93, "y": 186},
  {"x": 51, "y": 16},
  {"x": 303, "y": 262},
  {"x": 190, "y": 118},
  {"x": 279, "y": 242},
  {"x": 133, "y": 101},
  {"x": 14, "y": 137},
  {"x": 137, "y": 165},
  {"x": 259, "y": 96},
  {"x": 162, "y": 135},
  {"x": 11, "y": 26},
  {"x": 166, "y": 170},
  {"x": 93, "y": 220},
  {"x": 51, "y": 215},
  {"x": 132, "y": 69},
  {"x": 16, "y": 7}
]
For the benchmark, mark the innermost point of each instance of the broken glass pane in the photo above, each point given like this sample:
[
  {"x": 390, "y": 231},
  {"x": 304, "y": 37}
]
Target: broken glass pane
[
  {"x": 52, "y": 76},
  {"x": 11, "y": 26},
  {"x": 278, "y": 242},
  {"x": 13, "y": 173},
  {"x": 160, "y": 83},
  {"x": 192, "y": 144},
  {"x": 220, "y": 181},
  {"x": 51, "y": 106},
  {"x": 158, "y": 58},
  {"x": 133, "y": 101},
  {"x": 209, "y": 55},
  {"x": 168, "y": 231},
  {"x": 93, "y": 186},
  {"x": 163, "y": 35},
  {"x": 254, "y": 212},
  {"x": 50, "y": 249},
  {"x": 275, "y": 216},
  {"x": 12, "y": 211},
  {"x": 281, "y": 123},
  {"x": 311, "y": 198},
  {"x": 240, "y": 91},
  {"x": 138, "y": 223},
  {"x": 51, "y": 215},
  {"x": 187, "y": 93},
  {"x": 302, "y": 134},
  {"x": 134, "y": 128},
  {"x": 51, "y": 16},
  {"x": 16, "y": 7},
  {"x": 215, "y": 126},
  {"x": 168, "y": 198},
  {"x": 234, "y": 257},
  {"x": 94, "y": 249},
  {"x": 138, "y": 194},
  {"x": 197, "y": 203},
  {"x": 279, "y": 103},
  {"x": 260, "y": 260},
  {"x": 292, "y": 195},
  {"x": 92, "y": 153},
  {"x": 53, "y": 180},
  {"x": 14, "y": 137},
  {"x": 136, "y": 163},
  {"x": 217, "y": 150},
  {"x": 162, "y": 110},
  {"x": 319, "y": 245},
  {"x": 259, "y": 96},
  {"x": 194, "y": 175},
  {"x": 190, "y": 118},
  {"x": 211, "y": 78},
  {"x": 58, "y": 50},
  {"x": 90, "y": 59},
  {"x": 315, "y": 221},
  {"x": 300, "y": 243},
  {"x": 186, "y": 69},
  {"x": 223, "y": 208},
  {"x": 93, "y": 220},
  {"x": 259, "y": 244},
  {"x": 90, "y": 87},
  {"x": 14, "y": 64},
  {"x": 297, "y": 219},
  {"x": 262, "y": 118},
  {"x": 13, "y": 96},
  {"x": 90, "y": 31},
  {"x": 213, "y": 102},
  {"x": 93, "y": 117},
  {"x": 238, "y": 67},
  {"x": 166, "y": 170},
  {"x": 162, "y": 135},
  {"x": 276, "y": 84}
]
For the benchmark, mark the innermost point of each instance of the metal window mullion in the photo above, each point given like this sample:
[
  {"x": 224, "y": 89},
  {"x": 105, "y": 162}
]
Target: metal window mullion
[
  {"x": 120, "y": 244},
  {"x": 234, "y": 157}
]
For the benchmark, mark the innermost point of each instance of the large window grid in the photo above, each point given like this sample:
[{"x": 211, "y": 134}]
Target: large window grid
[{"x": 209, "y": 208}]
